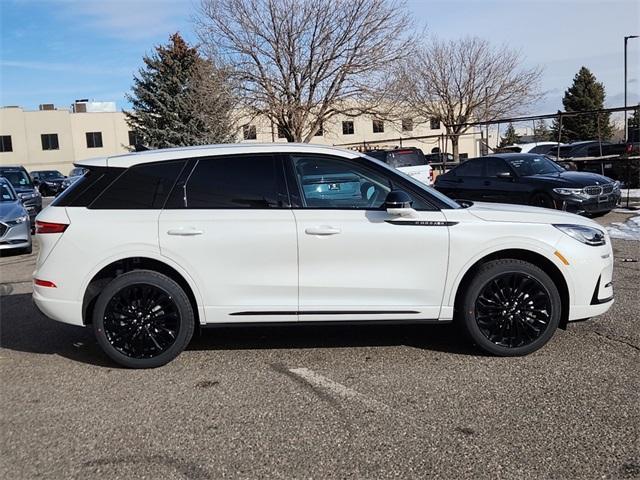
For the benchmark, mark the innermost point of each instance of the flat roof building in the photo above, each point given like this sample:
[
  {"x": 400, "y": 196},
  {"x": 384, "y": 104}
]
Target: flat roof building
[{"x": 53, "y": 139}]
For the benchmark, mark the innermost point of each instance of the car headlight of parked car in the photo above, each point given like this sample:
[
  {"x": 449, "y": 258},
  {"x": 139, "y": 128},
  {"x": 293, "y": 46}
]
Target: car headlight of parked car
[
  {"x": 587, "y": 235},
  {"x": 576, "y": 192},
  {"x": 18, "y": 220},
  {"x": 616, "y": 186}
]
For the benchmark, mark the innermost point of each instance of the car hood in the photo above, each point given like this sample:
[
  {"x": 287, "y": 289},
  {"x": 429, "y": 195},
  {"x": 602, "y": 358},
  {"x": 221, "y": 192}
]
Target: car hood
[
  {"x": 53, "y": 180},
  {"x": 573, "y": 179},
  {"x": 24, "y": 189},
  {"x": 11, "y": 210},
  {"x": 502, "y": 212}
]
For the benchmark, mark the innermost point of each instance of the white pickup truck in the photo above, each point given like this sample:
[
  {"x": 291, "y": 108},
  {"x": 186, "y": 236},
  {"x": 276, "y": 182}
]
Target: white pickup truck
[{"x": 409, "y": 160}]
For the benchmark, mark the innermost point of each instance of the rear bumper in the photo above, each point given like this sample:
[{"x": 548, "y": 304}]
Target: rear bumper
[{"x": 64, "y": 311}]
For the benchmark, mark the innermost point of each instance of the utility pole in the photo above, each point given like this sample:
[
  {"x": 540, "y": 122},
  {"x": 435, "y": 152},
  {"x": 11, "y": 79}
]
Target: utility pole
[{"x": 626, "y": 127}]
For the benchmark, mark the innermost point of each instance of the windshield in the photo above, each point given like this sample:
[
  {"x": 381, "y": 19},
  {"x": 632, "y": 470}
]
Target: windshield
[
  {"x": 17, "y": 178},
  {"x": 6, "y": 194},
  {"x": 539, "y": 165},
  {"x": 430, "y": 190},
  {"x": 406, "y": 158},
  {"x": 51, "y": 175}
]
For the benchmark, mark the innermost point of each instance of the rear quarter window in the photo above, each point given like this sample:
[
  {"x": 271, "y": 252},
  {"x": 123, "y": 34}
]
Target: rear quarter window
[{"x": 145, "y": 186}]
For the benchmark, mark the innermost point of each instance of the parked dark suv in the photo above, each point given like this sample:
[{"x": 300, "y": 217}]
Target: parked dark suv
[
  {"x": 530, "y": 179},
  {"x": 24, "y": 187},
  {"x": 48, "y": 181}
]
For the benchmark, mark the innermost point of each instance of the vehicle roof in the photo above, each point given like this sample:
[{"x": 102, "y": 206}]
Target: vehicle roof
[
  {"x": 510, "y": 156},
  {"x": 164, "y": 154},
  {"x": 8, "y": 167}
]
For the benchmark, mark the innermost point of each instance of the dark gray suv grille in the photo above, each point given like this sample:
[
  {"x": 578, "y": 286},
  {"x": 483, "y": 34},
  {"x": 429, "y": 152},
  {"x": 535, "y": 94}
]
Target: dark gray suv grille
[
  {"x": 596, "y": 190},
  {"x": 3, "y": 229}
]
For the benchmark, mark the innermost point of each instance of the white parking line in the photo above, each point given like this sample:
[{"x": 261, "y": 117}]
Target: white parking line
[{"x": 337, "y": 389}]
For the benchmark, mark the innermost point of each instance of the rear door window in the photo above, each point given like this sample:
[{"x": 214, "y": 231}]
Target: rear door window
[
  {"x": 239, "y": 181},
  {"x": 406, "y": 158},
  {"x": 470, "y": 168}
]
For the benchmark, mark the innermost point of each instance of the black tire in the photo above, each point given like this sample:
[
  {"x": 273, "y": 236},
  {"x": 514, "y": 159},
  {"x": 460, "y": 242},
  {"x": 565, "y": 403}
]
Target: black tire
[
  {"x": 132, "y": 305},
  {"x": 599, "y": 214},
  {"x": 542, "y": 200},
  {"x": 492, "y": 310}
]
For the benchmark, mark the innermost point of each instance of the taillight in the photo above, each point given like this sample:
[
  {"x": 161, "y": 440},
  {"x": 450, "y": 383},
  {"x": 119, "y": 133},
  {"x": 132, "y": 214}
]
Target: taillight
[
  {"x": 49, "y": 227},
  {"x": 44, "y": 283}
]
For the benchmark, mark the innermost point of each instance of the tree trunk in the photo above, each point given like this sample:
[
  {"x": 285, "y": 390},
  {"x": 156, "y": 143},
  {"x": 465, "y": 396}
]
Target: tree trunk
[{"x": 455, "y": 147}]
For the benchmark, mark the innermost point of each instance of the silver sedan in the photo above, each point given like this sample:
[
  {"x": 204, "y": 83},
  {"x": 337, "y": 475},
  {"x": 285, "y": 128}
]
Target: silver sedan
[{"x": 15, "y": 229}]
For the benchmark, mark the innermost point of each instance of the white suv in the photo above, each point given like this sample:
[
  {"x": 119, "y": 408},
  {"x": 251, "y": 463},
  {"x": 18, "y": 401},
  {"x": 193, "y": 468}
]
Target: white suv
[{"x": 145, "y": 247}]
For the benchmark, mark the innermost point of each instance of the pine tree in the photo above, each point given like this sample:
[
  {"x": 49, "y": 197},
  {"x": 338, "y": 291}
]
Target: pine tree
[
  {"x": 179, "y": 99},
  {"x": 586, "y": 93},
  {"x": 510, "y": 136},
  {"x": 541, "y": 132}
]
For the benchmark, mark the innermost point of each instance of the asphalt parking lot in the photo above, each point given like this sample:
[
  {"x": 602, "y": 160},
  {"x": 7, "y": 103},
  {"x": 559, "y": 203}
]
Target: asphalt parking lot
[{"x": 334, "y": 402}]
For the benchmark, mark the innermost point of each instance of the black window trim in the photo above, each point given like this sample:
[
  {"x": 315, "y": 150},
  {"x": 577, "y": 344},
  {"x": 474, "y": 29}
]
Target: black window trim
[{"x": 396, "y": 180}]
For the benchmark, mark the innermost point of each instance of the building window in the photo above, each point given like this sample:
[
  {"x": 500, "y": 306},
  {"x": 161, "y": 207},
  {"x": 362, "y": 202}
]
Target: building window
[
  {"x": 249, "y": 132},
  {"x": 320, "y": 131},
  {"x": 407, "y": 124},
  {"x": 134, "y": 139},
  {"x": 5, "y": 143},
  {"x": 94, "y": 139},
  {"x": 49, "y": 141},
  {"x": 378, "y": 126},
  {"x": 435, "y": 123},
  {"x": 347, "y": 127}
]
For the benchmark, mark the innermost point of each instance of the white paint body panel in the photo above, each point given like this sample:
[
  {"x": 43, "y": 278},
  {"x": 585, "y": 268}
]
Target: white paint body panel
[{"x": 265, "y": 261}]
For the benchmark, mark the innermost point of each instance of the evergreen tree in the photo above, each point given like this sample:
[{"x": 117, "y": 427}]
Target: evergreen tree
[
  {"x": 586, "y": 93},
  {"x": 510, "y": 136},
  {"x": 179, "y": 99},
  {"x": 541, "y": 132}
]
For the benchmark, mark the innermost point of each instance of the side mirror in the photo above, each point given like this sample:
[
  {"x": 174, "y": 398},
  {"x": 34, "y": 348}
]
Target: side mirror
[
  {"x": 399, "y": 203},
  {"x": 505, "y": 175},
  {"x": 36, "y": 182}
]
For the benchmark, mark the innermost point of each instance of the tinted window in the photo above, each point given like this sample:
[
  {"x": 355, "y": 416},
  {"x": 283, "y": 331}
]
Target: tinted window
[
  {"x": 495, "y": 166},
  {"x": 6, "y": 194},
  {"x": 328, "y": 182},
  {"x": 85, "y": 190},
  {"x": 378, "y": 154},
  {"x": 140, "y": 187},
  {"x": 471, "y": 168},
  {"x": 255, "y": 181},
  {"x": 542, "y": 149}
]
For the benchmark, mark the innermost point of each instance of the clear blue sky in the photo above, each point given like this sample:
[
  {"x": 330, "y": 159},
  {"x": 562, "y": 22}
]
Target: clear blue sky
[{"x": 54, "y": 51}]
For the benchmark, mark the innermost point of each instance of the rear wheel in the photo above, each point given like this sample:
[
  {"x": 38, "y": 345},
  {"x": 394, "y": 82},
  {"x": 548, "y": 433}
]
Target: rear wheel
[
  {"x": 510, "y": 308},
  {"x": 542, "y": 200},
  {"x": 143, "y": 319}
]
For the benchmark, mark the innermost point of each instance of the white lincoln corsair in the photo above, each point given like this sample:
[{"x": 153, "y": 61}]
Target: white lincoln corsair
[{"x": 146, "y": 247}]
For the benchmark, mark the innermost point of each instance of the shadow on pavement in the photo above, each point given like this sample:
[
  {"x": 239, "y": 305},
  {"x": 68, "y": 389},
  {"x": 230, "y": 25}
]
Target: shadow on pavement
[{"x": 23, "y": 328}]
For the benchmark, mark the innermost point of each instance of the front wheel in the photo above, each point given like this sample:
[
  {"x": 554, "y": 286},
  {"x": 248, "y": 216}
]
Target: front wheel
[
  {"x": 143, "y": 319},
  {"x": 510, "y": 308},
  {"x": 542, "y": 200}
]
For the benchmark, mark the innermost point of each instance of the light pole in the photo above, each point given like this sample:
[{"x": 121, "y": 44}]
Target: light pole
[{"x": 626, "y": 128}]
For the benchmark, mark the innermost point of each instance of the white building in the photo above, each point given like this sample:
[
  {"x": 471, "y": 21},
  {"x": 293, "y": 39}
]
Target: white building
[{"x": 53, "y": 139}]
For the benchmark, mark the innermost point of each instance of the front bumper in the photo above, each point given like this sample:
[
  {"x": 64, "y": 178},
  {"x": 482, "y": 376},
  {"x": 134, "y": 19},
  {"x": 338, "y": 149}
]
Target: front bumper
[
  {"x": 16, "y": 236},
  {"x": 603, "y": 203}
]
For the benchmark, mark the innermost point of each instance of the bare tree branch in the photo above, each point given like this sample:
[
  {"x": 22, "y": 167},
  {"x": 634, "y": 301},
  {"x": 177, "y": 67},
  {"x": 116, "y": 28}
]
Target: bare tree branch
[
  {"x": 459, "y": 81},
  {"x": 301, "y": 62}
]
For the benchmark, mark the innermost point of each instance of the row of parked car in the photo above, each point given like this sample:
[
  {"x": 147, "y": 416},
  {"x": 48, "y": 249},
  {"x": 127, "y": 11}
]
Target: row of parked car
[
  {"x": 21, "y": 195},
  {"x": 531, "y": 177}
]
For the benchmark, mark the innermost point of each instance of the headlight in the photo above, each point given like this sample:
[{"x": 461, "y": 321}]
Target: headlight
[
  {"x": 569, "y": 191},
  {"x": 616, "y": 185},
  {"x": 19, "y": 220},
  {"x": 586, "y": 235}
]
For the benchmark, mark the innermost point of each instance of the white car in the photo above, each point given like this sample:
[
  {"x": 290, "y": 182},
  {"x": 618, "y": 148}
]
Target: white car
[
  {"x": 534, "y": 147},
  {"x": 163, "y": 241}
]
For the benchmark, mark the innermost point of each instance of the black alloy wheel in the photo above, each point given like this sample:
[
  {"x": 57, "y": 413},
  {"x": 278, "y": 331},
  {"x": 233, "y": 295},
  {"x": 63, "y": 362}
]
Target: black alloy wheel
[
  {"x": 510, "y": 307},
  {"x": 513, "y": 309},
  {"x": 143, "y": 319},
  {"x": 542, "y": 200}
]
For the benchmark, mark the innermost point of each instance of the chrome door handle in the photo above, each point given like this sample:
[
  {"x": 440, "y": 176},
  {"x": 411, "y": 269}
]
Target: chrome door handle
[
  {"x": 322, "y": 230},
  {"x": 185, "y": 232}
]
